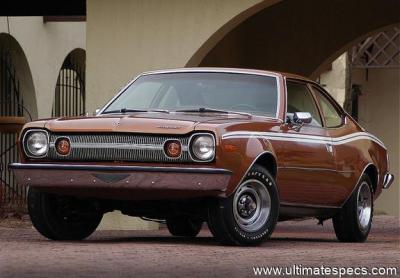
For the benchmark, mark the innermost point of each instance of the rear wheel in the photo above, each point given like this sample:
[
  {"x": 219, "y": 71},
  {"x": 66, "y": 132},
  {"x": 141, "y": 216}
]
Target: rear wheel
[
  {"x": 184, "y": 226},
  {"x": 353, "y": 223},
  {"x": 248, "y": 216},
  {"x": 62, "y": 217}
]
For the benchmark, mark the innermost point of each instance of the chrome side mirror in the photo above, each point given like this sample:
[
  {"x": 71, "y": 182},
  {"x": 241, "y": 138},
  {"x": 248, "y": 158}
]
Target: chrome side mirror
[
  {"x": 96, "y": 112},
  {"x": 302, "y": 118},
  {"x": 299, "y": 119}
]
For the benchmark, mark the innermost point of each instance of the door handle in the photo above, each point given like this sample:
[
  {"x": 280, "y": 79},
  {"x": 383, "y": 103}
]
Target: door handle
[{"x": 329, "y": 148}]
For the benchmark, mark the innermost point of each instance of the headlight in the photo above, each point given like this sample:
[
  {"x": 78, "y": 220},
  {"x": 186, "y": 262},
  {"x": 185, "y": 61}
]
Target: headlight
[
  {"x": 36, "y": 143},
  {"x": 203, "y": 147}
]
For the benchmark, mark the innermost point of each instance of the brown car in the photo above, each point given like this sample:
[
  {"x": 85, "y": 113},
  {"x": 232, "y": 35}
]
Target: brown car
[{"x": 238, "y": 149}]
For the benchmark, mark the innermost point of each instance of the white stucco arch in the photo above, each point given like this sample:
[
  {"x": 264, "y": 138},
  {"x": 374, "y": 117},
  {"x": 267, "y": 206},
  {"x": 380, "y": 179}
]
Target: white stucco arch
[
  {"x": 45, "y": 46},
  {"x": 23, "y": 73}
]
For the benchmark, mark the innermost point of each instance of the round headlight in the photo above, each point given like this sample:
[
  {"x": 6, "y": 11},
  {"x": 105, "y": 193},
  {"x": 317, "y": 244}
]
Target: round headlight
[
  {"x": 203, "y": 147},
  {"x": 36, "y": 143}
]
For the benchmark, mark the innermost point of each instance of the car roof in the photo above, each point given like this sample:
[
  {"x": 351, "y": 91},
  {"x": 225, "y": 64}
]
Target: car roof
[{"x": 231, "y": 70}]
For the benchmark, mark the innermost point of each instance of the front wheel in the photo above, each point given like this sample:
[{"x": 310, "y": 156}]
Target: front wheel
[
  {"x": 353, "y": 223},
  {"x": 62, "y": 217},
  {"x": 248, "y": 216}
]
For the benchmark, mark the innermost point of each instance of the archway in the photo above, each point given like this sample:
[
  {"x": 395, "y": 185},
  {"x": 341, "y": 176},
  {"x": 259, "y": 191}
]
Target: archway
[
  {"x": 297, "y": 36},
  {"x": 17, "y": 105},
  {"x": 69, "y": 98}
]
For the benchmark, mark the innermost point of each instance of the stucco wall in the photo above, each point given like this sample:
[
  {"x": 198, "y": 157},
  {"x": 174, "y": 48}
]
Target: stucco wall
[
  {"x": 127, "y": 37},
  {"x": 334, "y": 80},
  {"x": 45, "y": 46},
  {"x": 379, "y": 113}
]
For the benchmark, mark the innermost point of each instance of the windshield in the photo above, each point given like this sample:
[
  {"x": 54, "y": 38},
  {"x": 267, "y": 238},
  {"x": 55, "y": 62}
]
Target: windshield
[{"x": 201, "y": 92}]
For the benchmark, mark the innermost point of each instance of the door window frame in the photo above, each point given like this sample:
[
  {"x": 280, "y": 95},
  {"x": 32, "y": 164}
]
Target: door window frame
[
  {"x": 331, "y": 100},
  {"x": 306, "y": 84}
]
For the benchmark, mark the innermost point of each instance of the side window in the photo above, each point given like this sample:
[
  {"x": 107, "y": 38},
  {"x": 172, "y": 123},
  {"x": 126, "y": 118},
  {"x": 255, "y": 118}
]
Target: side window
[
  {"x": 299, "y": 99},
  {"x": 329, "y": 112}
]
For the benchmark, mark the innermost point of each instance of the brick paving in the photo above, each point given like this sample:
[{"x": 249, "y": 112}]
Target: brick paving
[{"x": 24, "y": 253}]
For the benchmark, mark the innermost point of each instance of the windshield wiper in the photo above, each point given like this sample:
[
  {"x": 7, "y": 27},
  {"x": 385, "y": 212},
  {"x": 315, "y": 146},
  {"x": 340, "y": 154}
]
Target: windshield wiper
[
  {"x": 128, "y": 110},
  {"x": 123, "y": 111},
  {"x": 205, "y": 110},
  {"x": 202, "y": 109},
  {"x": 158, "y": 110}
]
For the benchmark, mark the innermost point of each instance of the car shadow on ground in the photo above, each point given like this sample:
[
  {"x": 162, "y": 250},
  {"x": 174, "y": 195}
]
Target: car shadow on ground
[
  {"x": 154, "y": 239},
  {"x": 206, "y": 241}
]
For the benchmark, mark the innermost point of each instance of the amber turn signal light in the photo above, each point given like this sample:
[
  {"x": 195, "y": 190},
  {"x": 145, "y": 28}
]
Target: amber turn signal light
[
  {"x": 173, "y": 148},
  {"x": 63, "y": 146}
]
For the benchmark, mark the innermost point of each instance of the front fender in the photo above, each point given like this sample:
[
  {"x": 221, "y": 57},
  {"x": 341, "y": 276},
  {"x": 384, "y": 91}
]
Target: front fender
[{"x": 239, "y": 154}]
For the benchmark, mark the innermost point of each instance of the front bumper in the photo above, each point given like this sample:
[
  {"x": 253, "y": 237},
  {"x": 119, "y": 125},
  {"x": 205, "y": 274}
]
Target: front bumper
[
  {"x": 387, "y": 180},
  {"x": 121, "y": 177}
]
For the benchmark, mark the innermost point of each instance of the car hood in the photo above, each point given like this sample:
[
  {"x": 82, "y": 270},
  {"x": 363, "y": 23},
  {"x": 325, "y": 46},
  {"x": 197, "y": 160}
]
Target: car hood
[{"x": 176, "y": 123}]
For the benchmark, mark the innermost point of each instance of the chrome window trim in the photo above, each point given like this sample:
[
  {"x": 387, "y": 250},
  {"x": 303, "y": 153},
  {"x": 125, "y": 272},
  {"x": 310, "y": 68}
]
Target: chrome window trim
[
  {"x": 278, "y": 100},
  {"x": 190, "y": 146},
  {"x": 204, "y": 70},
  {"x": 27, "y": 153},
  {"x": 286, "y": 101}
]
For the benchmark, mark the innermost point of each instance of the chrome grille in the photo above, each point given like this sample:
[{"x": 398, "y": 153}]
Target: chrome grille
[{"x": 120, "y": 147}]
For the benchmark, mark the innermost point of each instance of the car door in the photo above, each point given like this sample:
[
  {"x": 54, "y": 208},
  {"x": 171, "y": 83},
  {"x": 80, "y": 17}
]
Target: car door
[
  {"x": 308, "y": 170},
  {"x": 346, "y": 159}
]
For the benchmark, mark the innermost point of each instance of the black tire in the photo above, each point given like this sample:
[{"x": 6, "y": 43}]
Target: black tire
[
  {"x": 52, "y": 219},
  {"x": 347, "y": 224},
  {"x": 223, "y": 216},
  {"x": 184, "y": 226}
]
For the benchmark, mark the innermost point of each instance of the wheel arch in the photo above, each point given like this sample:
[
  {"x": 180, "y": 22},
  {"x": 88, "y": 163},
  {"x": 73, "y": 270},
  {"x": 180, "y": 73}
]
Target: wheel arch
[
  {"x": 268, "y": 161},
  {"x": 372, "y": 172},
  {"x": 253, "y": 150}
]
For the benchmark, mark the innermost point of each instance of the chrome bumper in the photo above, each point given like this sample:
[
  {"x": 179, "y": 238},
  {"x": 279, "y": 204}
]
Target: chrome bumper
[
  {"x": 387, "y": 180},
  {"x": 124, "y": 177}
]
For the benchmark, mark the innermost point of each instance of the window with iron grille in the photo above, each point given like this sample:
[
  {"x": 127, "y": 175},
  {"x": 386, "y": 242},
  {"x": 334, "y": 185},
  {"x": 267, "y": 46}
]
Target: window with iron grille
[
  {"x": 69, "y": 98},
  {"x": 11, "y": 105}
]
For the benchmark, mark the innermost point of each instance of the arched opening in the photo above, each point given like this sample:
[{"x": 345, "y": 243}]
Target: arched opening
[
  {"x": 69, "y": 98},
  {"x": 17, "y": 105},
  {"x": 305, "y": 37},
  {"x": 297, "y": 36}
]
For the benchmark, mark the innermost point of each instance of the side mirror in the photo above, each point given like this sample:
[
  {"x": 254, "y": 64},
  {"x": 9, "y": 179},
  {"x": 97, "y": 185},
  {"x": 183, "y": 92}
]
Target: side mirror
[
  {"x": 96, "y": 112},
  {"x": 302, "y": 118}
]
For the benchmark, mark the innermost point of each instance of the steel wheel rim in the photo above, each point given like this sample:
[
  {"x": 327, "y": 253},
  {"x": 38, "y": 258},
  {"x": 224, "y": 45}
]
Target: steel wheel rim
[
  {"x": 364, "y": 205},
  {"x": 251, "y": 205}
]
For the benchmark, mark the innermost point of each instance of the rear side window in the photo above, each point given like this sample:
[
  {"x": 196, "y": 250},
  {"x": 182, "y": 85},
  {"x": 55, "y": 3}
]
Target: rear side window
[
  {"x": 331, "y": 115},
  {"x": 299, "y": 99}
]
